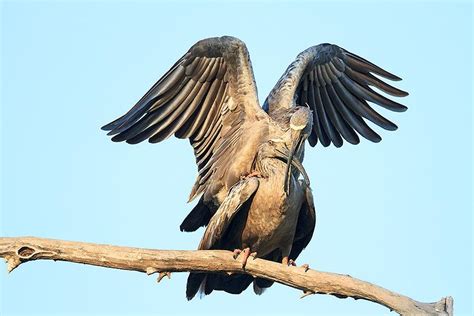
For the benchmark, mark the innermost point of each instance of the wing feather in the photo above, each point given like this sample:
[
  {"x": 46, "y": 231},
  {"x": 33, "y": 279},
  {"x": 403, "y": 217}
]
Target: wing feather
[
  {"x": 305, "y": 225},
  {"x": 208, "y": 96},
  {"x": 336, "y": 84},
  {"x": 238, "y": 195}
]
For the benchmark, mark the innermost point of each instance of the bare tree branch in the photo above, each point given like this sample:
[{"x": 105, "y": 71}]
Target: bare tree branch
[{"x": 23, "y": 249}]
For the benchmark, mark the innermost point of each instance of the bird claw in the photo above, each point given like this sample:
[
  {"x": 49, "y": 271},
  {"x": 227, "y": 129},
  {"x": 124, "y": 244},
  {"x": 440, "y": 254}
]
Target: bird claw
[
  {"x": 162, "y": 275},
  {"x": 236, "y": 253},
  {"x": 292, "y": 263},
  {"x": 306, "y": 267},
  {"x": 288, "y": 262},
  {"x": 245, "y": 255}
]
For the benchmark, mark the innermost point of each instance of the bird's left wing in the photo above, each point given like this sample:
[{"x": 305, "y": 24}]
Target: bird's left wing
[
  {"x": 238, "y": 195},
  {"x": 335, "y": 84},
  {"x": 208, "y": 96},
  {"x": 305, "y": 225}
]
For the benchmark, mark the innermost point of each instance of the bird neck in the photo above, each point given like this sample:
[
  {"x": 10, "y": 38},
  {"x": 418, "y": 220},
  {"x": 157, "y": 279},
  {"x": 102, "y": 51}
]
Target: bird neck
[{"x": 270, "y": 167}]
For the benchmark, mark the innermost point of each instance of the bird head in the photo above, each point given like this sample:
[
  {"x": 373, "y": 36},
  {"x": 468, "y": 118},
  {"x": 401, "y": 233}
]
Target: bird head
[{"x": 301, "y": 124}]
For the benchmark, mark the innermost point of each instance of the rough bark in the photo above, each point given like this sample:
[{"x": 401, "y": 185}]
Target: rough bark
[{"x": 23, "y": 249}]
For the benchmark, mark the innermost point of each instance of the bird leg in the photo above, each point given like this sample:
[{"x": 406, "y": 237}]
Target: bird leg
[{"x": 245, "y": 255}]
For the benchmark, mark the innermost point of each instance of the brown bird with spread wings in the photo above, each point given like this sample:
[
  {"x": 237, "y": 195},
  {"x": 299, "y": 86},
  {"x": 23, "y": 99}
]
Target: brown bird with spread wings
[{"x": 248, "y": 157}]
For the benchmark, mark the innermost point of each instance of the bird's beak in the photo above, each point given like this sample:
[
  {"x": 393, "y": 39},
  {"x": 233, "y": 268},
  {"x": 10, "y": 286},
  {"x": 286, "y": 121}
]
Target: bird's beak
[{"x": 293, "y": 161}]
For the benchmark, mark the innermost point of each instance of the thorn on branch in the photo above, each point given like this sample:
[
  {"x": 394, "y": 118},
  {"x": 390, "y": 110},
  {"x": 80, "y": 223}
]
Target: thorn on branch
[
  {"x": 162, "y": 275},
  {"x": 307, "y": 293},
  {"x": 151, "y": 270},
  {"x": 12, "y": 263}
]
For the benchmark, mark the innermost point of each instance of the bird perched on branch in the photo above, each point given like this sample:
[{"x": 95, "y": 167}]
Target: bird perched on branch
[{"x": 252, "y": 199}]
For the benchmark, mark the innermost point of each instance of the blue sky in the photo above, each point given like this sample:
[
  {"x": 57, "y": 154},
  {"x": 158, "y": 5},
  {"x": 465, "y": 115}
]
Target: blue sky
[{"x": 397, "y": 213}]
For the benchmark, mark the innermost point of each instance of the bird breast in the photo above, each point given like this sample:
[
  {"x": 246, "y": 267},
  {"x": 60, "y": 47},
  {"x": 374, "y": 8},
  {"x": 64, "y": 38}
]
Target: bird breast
[{"x": 272, "y": 215}]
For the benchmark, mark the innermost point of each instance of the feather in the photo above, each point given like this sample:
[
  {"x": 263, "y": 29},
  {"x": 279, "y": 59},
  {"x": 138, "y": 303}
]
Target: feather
[
  {"x": 363, "y": 65},
  {"x": 341, "y": 84},
  {"x": 369, "y": 79},
  {"x": 369, "y": 95}
]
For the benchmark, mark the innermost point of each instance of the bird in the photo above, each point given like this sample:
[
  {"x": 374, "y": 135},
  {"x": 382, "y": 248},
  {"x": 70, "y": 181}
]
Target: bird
[{"x": 255, "y": 197}]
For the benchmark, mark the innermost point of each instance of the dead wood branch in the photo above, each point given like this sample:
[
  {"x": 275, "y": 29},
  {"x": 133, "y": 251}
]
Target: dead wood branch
[{"x": 23, "y": 249}]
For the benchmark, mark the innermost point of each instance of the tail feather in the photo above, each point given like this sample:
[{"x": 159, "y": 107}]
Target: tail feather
[
  {"x": 193, "y": 284},
  {"x": 198, "y": 217},
  {"x": 233, "y": 284},
  {"x": 205, "y": 283},
  {"x": 263, "y": 283}
]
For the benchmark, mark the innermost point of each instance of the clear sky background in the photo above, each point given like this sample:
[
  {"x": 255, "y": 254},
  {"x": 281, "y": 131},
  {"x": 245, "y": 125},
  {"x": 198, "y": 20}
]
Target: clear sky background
[{"x": 397, "y": 213}]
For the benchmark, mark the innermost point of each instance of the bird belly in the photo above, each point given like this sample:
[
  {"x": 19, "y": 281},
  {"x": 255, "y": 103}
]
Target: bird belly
[{"x": 272, "y": 216}]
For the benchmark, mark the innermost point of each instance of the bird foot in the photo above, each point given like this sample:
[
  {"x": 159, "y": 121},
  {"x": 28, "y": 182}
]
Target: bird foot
[
  {"x": 252, "y": 174},
  {"x": 245, "y": 253},
  {"x": 305, "y": 266},
  {"x": 291, "y": 262},
  {"x": 162, "y": 275},
  {"x": 288, "y": 262}
]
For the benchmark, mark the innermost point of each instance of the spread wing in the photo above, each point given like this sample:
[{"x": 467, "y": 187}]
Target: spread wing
[
  {"x": 335, "y": 84},
  {"x": 206, "y": 96}
]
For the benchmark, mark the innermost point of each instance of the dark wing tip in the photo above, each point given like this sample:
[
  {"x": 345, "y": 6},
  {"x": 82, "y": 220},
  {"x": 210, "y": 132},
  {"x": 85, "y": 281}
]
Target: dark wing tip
[
  {"x": 117, "y": 139},
  {"x": 391, "y": 127},
  {"x": 110, "y": 126},
  {"x": 393, "y": 106},
  {"x": 338, "y": 143},
  {"x": 107, "y": 127},
  {"x": 121, "y": 138},
  {"x": 391, "y": 76},
  {"x": 358, "y": 62},
  {"x": 403, "y": 108},
  {"x": 354, "y": 141},
  {"x": 402, "y": 93},
  {"x": 376, "y": 138},
  {"x": 133, "y": 141}
]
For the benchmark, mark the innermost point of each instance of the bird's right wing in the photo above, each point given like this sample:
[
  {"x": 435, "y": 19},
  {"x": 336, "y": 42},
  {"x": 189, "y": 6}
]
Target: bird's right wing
[{"x": 209, "y": 96}]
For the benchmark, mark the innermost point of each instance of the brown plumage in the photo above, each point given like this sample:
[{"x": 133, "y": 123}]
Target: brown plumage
[{"x": 248, "y": 157}]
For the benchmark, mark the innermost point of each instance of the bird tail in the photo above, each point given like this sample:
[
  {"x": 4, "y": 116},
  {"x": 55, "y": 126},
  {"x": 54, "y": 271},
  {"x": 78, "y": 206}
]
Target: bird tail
[
  {"x": 198, "y": 217},
  {"x": 205, "y": 283},
  {"x": 195, "y": 283},
  {"x": 260, "y": 285}
]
